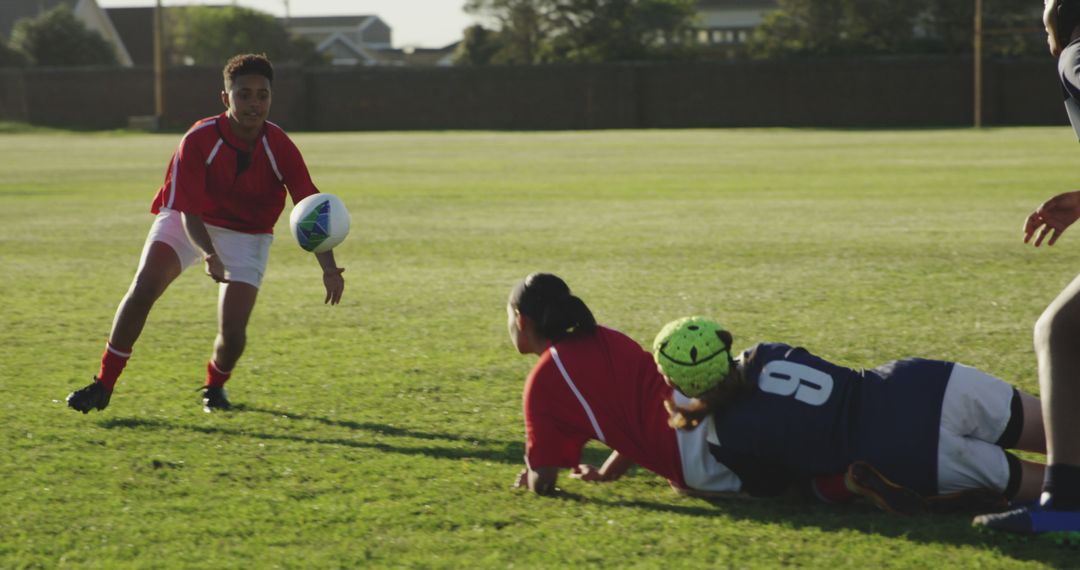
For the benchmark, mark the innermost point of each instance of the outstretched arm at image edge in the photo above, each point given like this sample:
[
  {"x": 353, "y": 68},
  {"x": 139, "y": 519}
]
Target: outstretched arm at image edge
[{"x": 1052, "y": 217}]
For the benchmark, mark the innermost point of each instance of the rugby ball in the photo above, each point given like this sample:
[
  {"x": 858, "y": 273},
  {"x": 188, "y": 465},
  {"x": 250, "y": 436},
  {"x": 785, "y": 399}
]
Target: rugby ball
[{"x": 319, "y": 222}]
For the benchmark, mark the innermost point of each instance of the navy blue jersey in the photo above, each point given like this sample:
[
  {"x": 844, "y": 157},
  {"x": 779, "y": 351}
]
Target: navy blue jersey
[{"x": 815, "y": 418}]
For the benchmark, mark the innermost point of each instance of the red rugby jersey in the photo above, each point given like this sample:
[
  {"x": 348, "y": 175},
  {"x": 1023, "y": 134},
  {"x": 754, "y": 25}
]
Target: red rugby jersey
[
  {"x": 232, "y": 185},
  {"x": 601, "y": 386}
]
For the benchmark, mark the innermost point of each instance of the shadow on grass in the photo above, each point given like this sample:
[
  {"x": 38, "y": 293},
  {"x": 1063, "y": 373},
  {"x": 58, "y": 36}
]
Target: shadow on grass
[
  {"x": 792, "y": 513},
  {"x": 381, "y": 429},
  {"x": 953, "y": 529},
  {"x": 494, "y": 451}
]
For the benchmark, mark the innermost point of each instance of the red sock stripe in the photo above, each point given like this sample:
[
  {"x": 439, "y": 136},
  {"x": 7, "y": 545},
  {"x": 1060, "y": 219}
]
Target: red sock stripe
[
  {"x": 831, "y": 489},
  {"x": 113, "y": 361},
  {"x": 215, "y": 377}
]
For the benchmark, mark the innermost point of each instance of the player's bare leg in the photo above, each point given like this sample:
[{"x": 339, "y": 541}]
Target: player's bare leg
[
  {"x": 159, "y": 269},
  {"x": 1033, "y": 433},
  {"x": 1031, "y": 481},
  {"x": 1033, "y": 439},
  {"x": 235, "y": 303},
  {"x": 1057, "y": 336},
  {"x": 1057, "y": 346}
]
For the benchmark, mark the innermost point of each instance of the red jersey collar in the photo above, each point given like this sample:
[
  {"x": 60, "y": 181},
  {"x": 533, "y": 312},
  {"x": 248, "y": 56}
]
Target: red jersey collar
[{"x": 227, "y": 133}]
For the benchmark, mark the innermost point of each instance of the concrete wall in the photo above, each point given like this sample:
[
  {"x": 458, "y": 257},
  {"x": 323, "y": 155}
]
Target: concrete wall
[{"x": 898, "y": 92}]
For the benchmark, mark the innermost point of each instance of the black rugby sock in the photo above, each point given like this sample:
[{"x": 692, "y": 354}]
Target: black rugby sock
[{"x": 1062, "y": 483}]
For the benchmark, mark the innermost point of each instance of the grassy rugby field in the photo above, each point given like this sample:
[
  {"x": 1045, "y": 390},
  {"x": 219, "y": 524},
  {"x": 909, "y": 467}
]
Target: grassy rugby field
[{"x": 385, "y": 432}]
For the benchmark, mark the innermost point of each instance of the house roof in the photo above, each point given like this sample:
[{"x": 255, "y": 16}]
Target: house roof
[
  {"x": 135, "y": 26},
  {"x": 344, "y": 46},
  {"x": 328, "y": 21},
  {"x": 418, "y": 56},
  {"x": 11, "y": 11},
  {"x": 738, "y": 4}
]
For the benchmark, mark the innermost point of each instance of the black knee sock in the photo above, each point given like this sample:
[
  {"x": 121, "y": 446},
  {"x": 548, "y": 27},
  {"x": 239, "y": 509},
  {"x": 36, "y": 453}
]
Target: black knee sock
[{"x": 1062, "y": 482}]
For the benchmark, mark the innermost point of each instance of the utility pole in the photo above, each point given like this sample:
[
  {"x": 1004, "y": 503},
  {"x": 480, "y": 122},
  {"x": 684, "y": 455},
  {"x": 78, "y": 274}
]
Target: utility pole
[
  {"x": 159, "y": 63},
  {"x": 978, "y": 64}
]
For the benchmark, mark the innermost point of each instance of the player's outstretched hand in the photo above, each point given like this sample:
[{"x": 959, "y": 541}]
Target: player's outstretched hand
[
  {"x": 522, "y": 479},
  {"x": 335, "y": 285},
  {"x": 1052, "y": 217},
  {"x": 587, "y": 473},
  {"x": 215, "y": 268}
]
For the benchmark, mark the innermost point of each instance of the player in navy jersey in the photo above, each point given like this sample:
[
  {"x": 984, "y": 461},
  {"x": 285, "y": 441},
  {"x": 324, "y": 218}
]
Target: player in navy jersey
[
  {"x": 1057, "y": 332},
  {"x": 592, "y": 382},
  {"x": 224, "y": 190},
  {"x": 936, "y": 428}
]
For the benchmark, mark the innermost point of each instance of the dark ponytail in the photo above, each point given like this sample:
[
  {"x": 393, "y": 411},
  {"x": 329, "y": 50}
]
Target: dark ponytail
[
  {"x": 547, "y": 301},
  {"x": 1068, "y": 17}
]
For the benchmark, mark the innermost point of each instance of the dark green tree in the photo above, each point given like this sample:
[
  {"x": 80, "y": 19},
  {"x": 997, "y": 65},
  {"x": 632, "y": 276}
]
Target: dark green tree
[
  {"x": 578, "y": 31},
  {"x": 478, "y": 47},
  {"x": 56, "y": 38},
  {"x": 840, "y": 27},
  {"x": 618, "y": 30},
  {"x": 1010, "y": 28},
  {"x": 205, "y": 35},
  {"x": 521, "y": 26},
  {"x": 10, "y": 57}
]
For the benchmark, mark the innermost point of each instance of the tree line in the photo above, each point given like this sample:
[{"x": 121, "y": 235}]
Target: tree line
[
  {"x": 195, "y": 35},
  {"x": 569, "y": 31},
  {"x": 528, "y": 32}
]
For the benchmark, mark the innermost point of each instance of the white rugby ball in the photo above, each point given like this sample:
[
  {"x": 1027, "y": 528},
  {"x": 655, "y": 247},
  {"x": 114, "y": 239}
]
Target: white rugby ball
[{"x": 319, "y": 222}]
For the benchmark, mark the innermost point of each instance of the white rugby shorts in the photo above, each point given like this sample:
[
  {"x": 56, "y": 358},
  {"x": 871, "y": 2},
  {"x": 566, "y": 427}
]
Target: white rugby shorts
[
  {"x": 974, "y": 414},
  {"x": 245, "y": 256}
]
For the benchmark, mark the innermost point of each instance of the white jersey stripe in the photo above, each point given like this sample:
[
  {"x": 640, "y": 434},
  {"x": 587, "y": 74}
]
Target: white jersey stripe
[
  {"x": 214, "y": 152},
  {"x": 176, "y": 161},
  {"x": 573, "y": 388},
  {"x": 270, "y": 155}
]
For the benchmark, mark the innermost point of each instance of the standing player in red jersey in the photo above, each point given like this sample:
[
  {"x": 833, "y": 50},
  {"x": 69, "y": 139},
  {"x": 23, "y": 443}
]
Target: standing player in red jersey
[{"x": 224, "y": 191}]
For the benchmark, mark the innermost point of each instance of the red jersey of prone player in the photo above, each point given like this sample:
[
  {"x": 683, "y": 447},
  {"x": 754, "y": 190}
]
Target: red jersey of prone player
[
  {"x": 232, "y": 185},
  {"x": 600, "y": 386},
  {"x": 604, "y": 386}
]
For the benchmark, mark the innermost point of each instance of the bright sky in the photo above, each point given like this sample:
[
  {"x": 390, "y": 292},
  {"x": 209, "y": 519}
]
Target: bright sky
[{"x": 413, "y": 23}]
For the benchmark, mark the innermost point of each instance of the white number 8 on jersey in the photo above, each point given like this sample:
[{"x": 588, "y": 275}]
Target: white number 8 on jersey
[{"x": 807, "y": 385}]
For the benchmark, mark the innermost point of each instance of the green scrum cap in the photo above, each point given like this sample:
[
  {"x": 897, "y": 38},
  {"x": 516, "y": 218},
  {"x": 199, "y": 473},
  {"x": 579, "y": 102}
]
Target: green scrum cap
[{"x": 692, "y": 353}]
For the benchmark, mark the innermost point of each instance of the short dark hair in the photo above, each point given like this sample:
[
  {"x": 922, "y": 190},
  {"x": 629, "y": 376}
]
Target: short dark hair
[{"x": 248, "y": 64}]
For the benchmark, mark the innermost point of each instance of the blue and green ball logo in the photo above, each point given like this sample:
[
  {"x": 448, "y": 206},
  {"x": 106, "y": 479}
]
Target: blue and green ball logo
[{"x": 314, "y": 228}]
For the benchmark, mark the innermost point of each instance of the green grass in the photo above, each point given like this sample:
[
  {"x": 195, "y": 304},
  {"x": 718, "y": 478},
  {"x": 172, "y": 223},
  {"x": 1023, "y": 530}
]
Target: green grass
[{"x": 386, "y": 432}]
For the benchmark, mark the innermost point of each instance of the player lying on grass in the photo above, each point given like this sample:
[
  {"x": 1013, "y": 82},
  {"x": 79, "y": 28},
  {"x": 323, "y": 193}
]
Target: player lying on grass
[
  {"x": 940, "y": 429},
  {"x": 592, "y": 382},
  {"x": 1057, "y": 332},
  {"x": 224, "y": 190}
]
